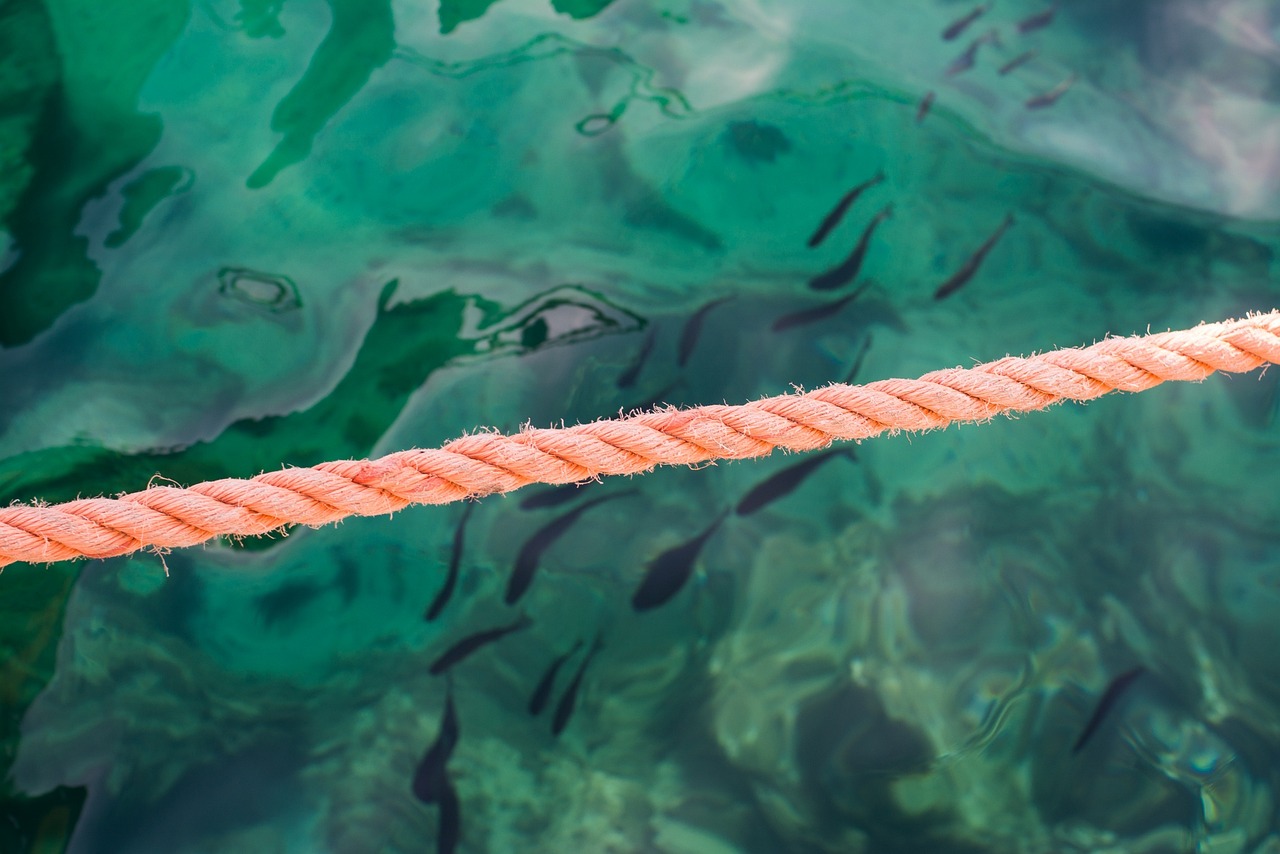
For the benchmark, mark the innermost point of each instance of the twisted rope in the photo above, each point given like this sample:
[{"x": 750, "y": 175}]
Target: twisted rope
[{"x": 486, "y": 463}]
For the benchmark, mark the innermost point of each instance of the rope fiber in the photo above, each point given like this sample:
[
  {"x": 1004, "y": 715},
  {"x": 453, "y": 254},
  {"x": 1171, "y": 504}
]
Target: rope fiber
[{"x": 165, "y": 517}]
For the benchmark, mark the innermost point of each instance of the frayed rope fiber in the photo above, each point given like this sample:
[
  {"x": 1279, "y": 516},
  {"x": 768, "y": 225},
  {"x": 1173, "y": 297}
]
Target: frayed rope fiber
[{"x": 164, "y": 517}]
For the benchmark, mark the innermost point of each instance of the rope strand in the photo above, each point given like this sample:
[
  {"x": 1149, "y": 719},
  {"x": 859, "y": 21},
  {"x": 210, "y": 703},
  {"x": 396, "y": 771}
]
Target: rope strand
[{"x": 164, "y": 517}]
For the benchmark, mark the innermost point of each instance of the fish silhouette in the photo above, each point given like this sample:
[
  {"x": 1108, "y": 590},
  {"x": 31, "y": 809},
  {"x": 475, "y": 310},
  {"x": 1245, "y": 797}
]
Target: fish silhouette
[
  {"x": 455, "y": 559},
  {"x": 1110, "y": 697},
  {"x": 430, "y": 779},
  {"x": 957, "y": 27},
  {"x": 693, "y": 330},
  {"x": 926, "y": 104},
  {"x": 848, "y": 269},
  {"x": 1048, "y": 99},
  {"x": 542, "y": 693},
  {"x": 832, "y": 219},
  {"x": 1038, "y": 20},
  {"x": 531, "y": 552},
  {"x": 450, "y": 829},
  {"x": 858, "y": 359},
  {"x": 817, "y": 313},
  {"x": 965, "y": 273},
  {"x": 569, "y": 699},
  {"x": 966, "y": 60},
  {"x": 627, "y": 378},
  {"x": 554, "y": 496},
  {"x": 1017, "y": 62},
  {"x": 670, "y": 571},
  {"x": 786, "y": 481},
  {"x": 472, "y": 643}
]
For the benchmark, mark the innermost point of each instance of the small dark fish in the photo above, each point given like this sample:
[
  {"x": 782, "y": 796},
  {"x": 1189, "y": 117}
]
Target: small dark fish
[
  {"x": 450, "y": 829},
  {"x": 455, "y": 560},
  {"x": 569, "y": 699},
  {"x": 848, "y": 269},
  {"x": 1038, "y": 20},
  {"x": 1017, "y": 62},
  {"x": 971, "y": 266},
  {"x": 542, "y": 693},
  {"x": 531, "y": 552},
  {"x": 857, "y": 360},
  {"x": 431, "y": 779},
  {"x": 957, "y": 27},
  {"x": 470, "y": 644},
  {"x": 782, "y": 483},
  {"x": 925, "y": 104},
  {"x": 628, "y": 377},
  {"x": 670, "y": 571},
  {"x": 1110, "y": 697},
  {"x": 821, "y": 312},
  {"x": 832, "y": 219},
  {"x": 554, "y": 496},
  {"x": 966, "y": 60},
  {"x": 1048, "y": 99},
  {"x": 692, "y": 329}
]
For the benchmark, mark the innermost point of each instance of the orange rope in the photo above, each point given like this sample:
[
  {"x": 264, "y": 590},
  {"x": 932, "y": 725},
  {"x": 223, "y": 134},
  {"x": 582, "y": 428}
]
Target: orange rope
[{"x": 168, "y": 517}]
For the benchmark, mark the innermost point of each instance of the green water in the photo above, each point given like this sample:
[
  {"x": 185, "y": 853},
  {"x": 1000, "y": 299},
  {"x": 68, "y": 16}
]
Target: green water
[{"x": 244, "y": 235}]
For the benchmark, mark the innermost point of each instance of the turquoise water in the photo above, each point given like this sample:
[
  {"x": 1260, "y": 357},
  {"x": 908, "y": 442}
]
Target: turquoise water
[{"x": 245, "y": 235}]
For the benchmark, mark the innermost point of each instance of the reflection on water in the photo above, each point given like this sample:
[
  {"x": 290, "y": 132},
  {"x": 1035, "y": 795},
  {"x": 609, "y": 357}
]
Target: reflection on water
[{"x": 249, "y": 234}]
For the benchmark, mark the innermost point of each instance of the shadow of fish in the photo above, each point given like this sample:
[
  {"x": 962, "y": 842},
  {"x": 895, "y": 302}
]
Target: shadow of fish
[
  {"x": 832, "y": 219},
  {"x": 1110, "y": 697},
  {"x": 965, "y": 273},
  {"x": 693, "y": 330},
  {"x": 533, "y": 549},
  {"x": 847, "y": 271},
  {"x": 464, "y": 648},
  {"x": 569, "y": 699},
  {"x": 782, "y": 483},
  {"x": 670, "y": 571},
  {"x": 542, "y": 693},
  {"x": 455, "y": 560},
  {"x": 431, "y": 777},
  {"x": 817, "y": 313}
]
